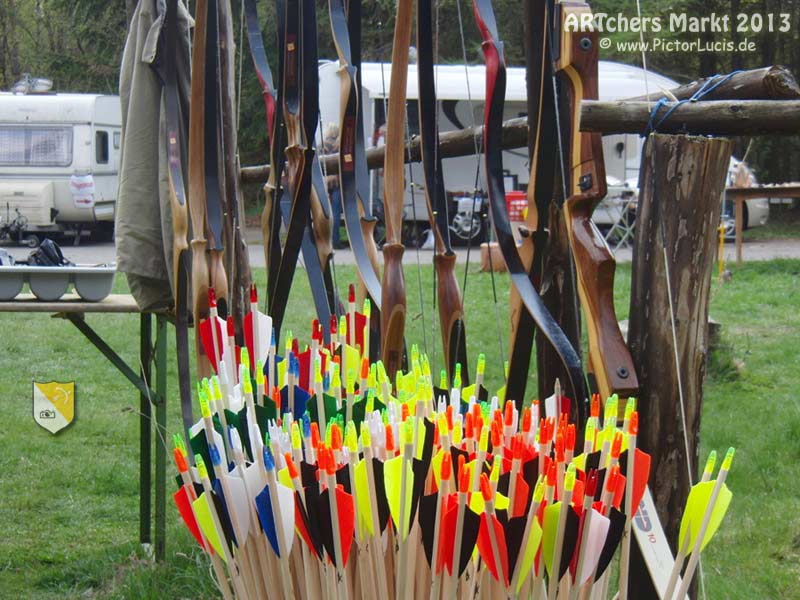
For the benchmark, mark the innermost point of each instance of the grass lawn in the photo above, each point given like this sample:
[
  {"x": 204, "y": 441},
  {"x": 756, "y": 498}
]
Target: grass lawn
[
  {"x": 69, "y": 503},
  {"x": 784, "y": 222}
]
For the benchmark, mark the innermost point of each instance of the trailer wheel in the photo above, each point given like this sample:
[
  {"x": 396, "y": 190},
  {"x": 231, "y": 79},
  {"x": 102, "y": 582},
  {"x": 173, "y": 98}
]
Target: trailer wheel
[{"x": 31, "y": 241}]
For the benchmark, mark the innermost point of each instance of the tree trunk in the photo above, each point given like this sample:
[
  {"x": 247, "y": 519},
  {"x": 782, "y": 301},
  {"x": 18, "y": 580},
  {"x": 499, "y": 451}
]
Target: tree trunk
[{"x": 682, "y": 180}]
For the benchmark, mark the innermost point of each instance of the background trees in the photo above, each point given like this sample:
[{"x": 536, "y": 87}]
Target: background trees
[{"x": 78, "y": 44}]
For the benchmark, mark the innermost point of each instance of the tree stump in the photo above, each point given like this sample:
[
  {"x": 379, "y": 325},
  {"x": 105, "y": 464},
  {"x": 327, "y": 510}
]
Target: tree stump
[{"x": 682, "y": 180}]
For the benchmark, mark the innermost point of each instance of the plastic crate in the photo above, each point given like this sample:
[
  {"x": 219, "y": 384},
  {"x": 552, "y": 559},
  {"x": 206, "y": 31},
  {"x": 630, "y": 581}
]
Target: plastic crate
[{"x": 516, "y": 204}]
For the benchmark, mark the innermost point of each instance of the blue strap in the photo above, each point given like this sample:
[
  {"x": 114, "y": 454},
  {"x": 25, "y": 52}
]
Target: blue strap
[{"x": 708, "y": 87}]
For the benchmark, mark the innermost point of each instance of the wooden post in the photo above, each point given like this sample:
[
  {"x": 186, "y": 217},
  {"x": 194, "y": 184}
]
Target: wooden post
[{"x": 682, "y": 181}]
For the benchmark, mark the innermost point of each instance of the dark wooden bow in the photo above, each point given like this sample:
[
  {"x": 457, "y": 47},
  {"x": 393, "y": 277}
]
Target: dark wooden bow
[
  {"x": 575, "y": 56},
  {"x": 393, "y": 302},
  {"x": 176, "y": 152},
  {"x": 300, "y": 111},
  {"x": 451, "y": 309}
]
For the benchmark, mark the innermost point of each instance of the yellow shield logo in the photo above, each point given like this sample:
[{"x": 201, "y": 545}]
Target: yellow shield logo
[{"x": 54, "y": 404}]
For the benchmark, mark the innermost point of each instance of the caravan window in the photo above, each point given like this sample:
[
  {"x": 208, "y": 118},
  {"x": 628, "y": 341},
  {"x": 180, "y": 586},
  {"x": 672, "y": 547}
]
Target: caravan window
[
  {"x": 101, "y": 147},
  {"x": 35, "y": 146}
]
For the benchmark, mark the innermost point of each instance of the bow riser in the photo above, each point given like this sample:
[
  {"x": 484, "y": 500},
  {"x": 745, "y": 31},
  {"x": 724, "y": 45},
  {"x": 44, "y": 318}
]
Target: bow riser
[
  {"x": 393, "y": 299},
  {"x": 609, "y": 358},
  {"x": 451, "y": 315}
]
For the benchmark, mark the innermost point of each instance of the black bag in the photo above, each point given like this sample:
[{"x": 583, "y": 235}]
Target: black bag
[{"x": 48, "y": 254}]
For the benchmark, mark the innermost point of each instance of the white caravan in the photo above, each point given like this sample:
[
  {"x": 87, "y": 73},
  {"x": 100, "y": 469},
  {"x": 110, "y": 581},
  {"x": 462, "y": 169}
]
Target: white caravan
[
  {"x": 59, "y": 158},
  {"x": 461, "y": 93}
]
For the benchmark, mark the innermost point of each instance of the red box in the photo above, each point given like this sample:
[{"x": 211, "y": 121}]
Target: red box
[{"x": 516, "y": 203}]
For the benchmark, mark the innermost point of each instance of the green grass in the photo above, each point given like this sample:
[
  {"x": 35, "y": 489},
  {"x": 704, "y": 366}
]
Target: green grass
[{"x": 69, "y": 503}]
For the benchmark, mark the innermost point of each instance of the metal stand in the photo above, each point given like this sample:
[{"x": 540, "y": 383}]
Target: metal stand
[{"x": 74, "y": 310}]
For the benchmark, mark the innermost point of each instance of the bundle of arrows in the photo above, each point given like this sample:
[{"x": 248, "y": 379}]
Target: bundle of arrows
[{"x": 353, "y": 486}]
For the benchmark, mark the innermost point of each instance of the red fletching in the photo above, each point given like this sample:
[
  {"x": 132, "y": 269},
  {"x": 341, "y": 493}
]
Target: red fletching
[
  {"x": 520, "y": 497},
  {"x": 207, "y": 338},
  {"x": 591, "y": 484},
  {"x": 185, "y": 509},
  {"x": 486, "y": 488},
  {"x": 347, "y": 511},
  {"x": 212, "y": 298},
  {"x": 641, "y": 473},
  {"x": 253, "y": 294},
  {"x": 611, "y": 478},
  {"x": 231, "y": 327},
  {"x": 334, "y": 324},
  {"x": 351, "y": 294},
  {"x": 485, "y": 547},
  {"x": 619, "y": 491},
  {"x": 449, "y": 415}
]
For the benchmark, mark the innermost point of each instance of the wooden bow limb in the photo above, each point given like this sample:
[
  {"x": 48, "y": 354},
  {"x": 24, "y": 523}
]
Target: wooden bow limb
[
  {"x": 237, "y": 261},
  {"x": 609, "y": 358},
  {"x": 197, "y": 183},
  {"x": 393, "y": 299},
  {"x": 176, "y": 148}
]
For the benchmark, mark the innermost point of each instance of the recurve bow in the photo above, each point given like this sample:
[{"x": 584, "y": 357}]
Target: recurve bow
[
  {"x": 542, "y": 138},
  {"x": 176, "y": 133},
  {"x": 300, "y": 108},
  {"x": 351, "y": 150},
  {"x": 575, "y": 56},
  {"x": 368, "y": 220},
  {"x": 214, "y": 220},
  {"x": 451, "y": 309},
  {"x": 197, "y": 182},
  {"x": 316, "y": 244},
  {"x": 495, "y": 98},
  {"x": 393, "y": 301}
]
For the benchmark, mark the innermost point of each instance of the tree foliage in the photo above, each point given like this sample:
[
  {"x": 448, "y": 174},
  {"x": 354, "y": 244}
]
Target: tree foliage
[{"x": 79, "y": 43}]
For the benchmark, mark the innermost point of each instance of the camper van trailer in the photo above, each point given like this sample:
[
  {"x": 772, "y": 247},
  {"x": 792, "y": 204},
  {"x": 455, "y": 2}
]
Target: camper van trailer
[
  {"x": 59, "y": 156},
  {"x": 461, "y": 93}
]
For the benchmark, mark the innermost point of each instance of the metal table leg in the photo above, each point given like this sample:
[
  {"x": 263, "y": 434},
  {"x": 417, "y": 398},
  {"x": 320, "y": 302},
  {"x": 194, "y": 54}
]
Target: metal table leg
[
  {"x": 145, "y": 430},
  {"x": 161, "y": 432}
]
